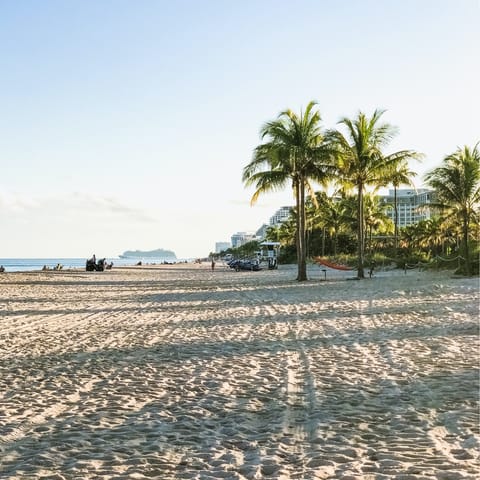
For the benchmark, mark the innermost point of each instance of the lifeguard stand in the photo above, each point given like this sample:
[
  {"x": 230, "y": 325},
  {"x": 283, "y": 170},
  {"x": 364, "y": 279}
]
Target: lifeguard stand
[{"x": 269, "y": 254}]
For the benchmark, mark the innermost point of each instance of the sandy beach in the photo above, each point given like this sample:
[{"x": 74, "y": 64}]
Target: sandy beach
[{"x": 178, "y": 372}]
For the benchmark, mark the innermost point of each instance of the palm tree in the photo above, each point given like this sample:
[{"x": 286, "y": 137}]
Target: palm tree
[
  {"x": 272, "y": 233},
  {"x": 292, "y": 153},
  {"x": 361, "y": 162},
  {"x": 457, "y": 187},
  {"x": 283, "y": 233},
  {"x": 375, "y": 217},
  {"x": 409, "y": 237},
  {"x": 431, "y": 236},
  {"x": 400, "y": 175},
  {"x": 331, "y": 218}
]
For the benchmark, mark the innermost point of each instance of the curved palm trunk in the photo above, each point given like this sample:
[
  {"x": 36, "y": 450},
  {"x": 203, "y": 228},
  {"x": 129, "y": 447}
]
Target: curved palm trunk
[
  {"x": 361, "y": 234},
  {"x": 301, "y": 237}
]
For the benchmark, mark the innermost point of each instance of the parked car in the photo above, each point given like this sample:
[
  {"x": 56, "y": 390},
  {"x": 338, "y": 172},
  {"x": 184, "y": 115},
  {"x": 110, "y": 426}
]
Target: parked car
[{"x": 238, "y": 265}]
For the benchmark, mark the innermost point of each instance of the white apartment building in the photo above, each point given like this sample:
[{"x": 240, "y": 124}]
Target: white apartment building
[
  {"x": 240, "y": 238},
  {"x": 222, "y": 246},
  {"x": 412, "y": 205},
  {"x": 280, "y": 216},
  {"x": 261, "y": 232}
]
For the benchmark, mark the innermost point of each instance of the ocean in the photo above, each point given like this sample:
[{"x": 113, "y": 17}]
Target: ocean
[{"x": 33, "y": 264}]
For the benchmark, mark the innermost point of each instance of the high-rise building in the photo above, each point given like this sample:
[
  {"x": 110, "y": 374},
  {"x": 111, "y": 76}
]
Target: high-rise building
[
  {"x": 280, "y": 216},
  {"x": 222, "y": 246},
  {"x": 412, "y": 205},
  {"x": 261, "y": 232},
  {"x": 240, "y": 238}
]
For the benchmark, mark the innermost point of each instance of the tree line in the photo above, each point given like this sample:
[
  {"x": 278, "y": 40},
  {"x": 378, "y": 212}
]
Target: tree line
[{"x": 351, "y": 162}]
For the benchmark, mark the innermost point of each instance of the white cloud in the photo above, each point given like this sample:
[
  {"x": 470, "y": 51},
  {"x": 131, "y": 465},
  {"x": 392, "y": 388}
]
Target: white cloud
[
  {"x": 77, "y": 203},
  {"x": 68, "y": 224}
]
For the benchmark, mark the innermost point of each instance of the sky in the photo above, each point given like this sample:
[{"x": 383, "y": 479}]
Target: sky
[{"x": 127, "y": 124}]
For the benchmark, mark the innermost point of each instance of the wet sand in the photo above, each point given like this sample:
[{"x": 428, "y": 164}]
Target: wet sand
[{"x": 177, "y": 372}]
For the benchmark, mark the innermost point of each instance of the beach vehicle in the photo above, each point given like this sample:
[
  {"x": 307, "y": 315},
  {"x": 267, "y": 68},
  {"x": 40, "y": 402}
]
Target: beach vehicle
[
  {"x": 92, "y": 266},
  {"x": 252, "y": 265}
]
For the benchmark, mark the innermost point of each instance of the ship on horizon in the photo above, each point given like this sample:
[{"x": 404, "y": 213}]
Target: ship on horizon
[{"x": 158, "y": 253}]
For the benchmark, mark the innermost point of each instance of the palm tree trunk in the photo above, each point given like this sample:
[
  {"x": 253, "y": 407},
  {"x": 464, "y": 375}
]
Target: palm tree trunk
[
  {"x": 361, "y": 235},
  {"x": 395, "y": 206},
  {"x": 323, "y": 242},
  {"x": 302, "y": 259},
  {"x": 465, "y": 243},
  {"x": 297, "y": 226},
  {"x": 370, "y": 246}
]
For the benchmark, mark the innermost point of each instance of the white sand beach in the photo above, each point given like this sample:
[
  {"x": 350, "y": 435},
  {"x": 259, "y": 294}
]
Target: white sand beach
[{"x": 177, "y": 372}]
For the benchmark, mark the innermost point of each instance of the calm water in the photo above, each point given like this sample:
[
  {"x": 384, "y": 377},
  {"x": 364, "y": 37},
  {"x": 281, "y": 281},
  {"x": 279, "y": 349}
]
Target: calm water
[{"x": 28, "y": 264}]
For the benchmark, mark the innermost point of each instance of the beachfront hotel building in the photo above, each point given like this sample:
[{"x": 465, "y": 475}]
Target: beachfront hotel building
[
  {"x": 241, "y": 238},
  {"x": 412, "y": 208},
  {"x": 412, "y": 205},
  {"x": 222, "y": 246},
  {"x": 280, "y": 216},
  {"x": 261, "y": 232}
]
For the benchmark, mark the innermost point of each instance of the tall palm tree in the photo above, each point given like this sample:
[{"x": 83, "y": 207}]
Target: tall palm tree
[
  {"x": 292, "y": 153},
  {"x": 457, "y": 186},
  {"x": 400, "y": 175},
  {"x": 361, "y": 162}
]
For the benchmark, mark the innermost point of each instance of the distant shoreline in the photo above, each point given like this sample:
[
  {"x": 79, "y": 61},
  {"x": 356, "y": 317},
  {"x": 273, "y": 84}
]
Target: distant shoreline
[{"x": 37, "y": 264}]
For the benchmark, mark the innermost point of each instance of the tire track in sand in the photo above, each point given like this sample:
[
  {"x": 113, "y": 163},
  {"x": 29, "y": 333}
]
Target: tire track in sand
[{"x": 298, "y": 425}]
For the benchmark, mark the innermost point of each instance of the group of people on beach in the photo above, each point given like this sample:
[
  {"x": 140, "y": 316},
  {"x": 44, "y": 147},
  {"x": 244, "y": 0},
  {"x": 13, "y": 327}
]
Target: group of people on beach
[
  {"x": 58, "y": 266},
  {"x": 92, "y": 265}
]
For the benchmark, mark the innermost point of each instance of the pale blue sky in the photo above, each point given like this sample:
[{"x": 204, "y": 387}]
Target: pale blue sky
[{"x": 126, "y": 124}]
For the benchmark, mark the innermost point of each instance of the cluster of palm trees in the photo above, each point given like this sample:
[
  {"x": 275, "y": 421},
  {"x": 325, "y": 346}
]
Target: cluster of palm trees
[{"x": 351, "y": 161}]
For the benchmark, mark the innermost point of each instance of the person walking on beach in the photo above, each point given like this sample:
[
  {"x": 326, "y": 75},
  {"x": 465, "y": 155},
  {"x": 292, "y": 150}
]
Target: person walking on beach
[
  {"x": 213, "y": 264},
  {"x": 372, "y": 268}
]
